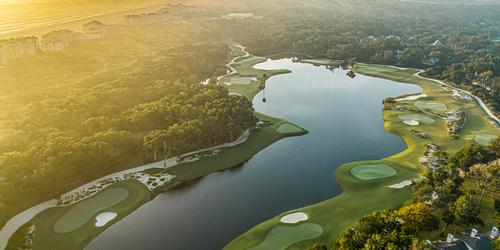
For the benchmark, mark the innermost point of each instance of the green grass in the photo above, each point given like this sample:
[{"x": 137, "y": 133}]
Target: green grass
[
  {"x": 279, "y": 237},
  {"x": 245, "y": 68},
  {"x": 417, "y": 117},
  {"x": 46, "y": 237},
  {"x": 361, "y": 197},
  {"x": 430, "y": 105},
  {"x": 375, "y": 171},
  {"x": 322, "y": 62},
  {"x": 82, "y": 212},
  {"x": 288, "y": 128}
]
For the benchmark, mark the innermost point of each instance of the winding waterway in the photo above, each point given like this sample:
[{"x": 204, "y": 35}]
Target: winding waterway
[{"x": 344, "y": 117}]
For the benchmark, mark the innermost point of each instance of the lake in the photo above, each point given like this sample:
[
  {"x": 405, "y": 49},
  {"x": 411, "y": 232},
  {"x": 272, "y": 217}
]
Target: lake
[{"x": 344, "y": 117}]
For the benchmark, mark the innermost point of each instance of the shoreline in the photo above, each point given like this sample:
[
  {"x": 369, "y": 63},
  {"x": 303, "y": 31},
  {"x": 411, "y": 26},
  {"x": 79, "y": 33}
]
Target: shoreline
[
  {"x": 355, "y": 190},
  {"x": 264, "y": 137}
]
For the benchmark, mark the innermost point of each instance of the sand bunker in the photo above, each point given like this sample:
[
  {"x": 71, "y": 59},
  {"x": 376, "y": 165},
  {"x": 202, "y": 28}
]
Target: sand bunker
[
  {"x": 411, "y": 122},
  {"x": 417, "y": 117},
  {"x": 430, "y": 105},
  {"x": 410, "y": 98},
  {"x": 294, "y": 218},
  {"x": 103, "y": 218},
  {"x": 81, "y": 213},
  {"x": 287, "y": 128},
  {"x": 484, "y": 139},
  {"x": 401, "y": 184},
  {"x": 281, "y": 237},
  {"x": 375, "y": 171}
]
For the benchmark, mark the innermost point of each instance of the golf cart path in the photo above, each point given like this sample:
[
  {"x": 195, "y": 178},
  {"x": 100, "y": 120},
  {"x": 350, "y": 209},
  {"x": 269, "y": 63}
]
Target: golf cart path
[{"x": 24, "y": 217}]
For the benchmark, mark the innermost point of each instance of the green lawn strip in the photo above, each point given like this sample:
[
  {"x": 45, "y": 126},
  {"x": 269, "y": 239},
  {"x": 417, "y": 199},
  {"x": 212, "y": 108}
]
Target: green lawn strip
[
  {"x": 484, "y": 139},
  {"x": 279, "y": 237},
  {"x": 322, "y": 61},
  {"x": 47, "y": 238},
  {"x": 359, "y": 197}
]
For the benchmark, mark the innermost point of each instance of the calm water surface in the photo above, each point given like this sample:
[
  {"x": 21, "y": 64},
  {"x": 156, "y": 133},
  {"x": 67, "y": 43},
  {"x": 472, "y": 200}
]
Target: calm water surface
[{"x": 345, "y": 122}]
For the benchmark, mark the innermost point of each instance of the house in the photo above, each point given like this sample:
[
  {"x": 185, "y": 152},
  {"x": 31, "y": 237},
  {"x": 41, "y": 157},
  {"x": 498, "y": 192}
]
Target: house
[
  {"x": 469, "y": 240},
  {"x": 94, "y": 29},
  {"x": 437, "y": 43},
  {"x": 17, "y": 47},
  {"x": 60, "y": 39}
]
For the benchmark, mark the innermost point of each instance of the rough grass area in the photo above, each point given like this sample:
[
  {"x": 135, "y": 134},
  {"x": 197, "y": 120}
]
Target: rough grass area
[
  {"x": 79, "y": 214},
  {"x": 484, "y": 139},
  {"x": 375, "y": 171},
  {"x": 431, "y": 105},
  {"x": 417, "y": 117},
  {"x": 361, "y": 197},
  {"x": 280, "y": 237}
]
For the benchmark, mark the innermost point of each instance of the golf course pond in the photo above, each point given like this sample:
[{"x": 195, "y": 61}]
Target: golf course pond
[{"x": 345, "y": 124}]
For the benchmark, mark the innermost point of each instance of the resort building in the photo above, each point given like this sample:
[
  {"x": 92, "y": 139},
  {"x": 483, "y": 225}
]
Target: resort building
[
  {"x": 469, "y": 240},
  {"x": 94, "y": 29},
  {"x": 60, "y": 39},
  {"x": 17, "y": 47}
]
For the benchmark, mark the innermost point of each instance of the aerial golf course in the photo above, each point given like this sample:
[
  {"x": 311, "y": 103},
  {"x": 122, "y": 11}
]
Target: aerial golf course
[
  {"x": 379, "y": 184},
  {"x": 367, "y": 186}
]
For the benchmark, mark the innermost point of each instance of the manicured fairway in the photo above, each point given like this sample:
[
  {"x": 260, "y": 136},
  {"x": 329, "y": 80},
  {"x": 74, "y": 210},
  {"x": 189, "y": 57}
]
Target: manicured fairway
[
  {"x": 417, "y": 117},
  {"x": 375, "y": 171},
  {"x": 237, "y": 80},
  {"x": 82, "y": 212},
  {"x": 288, "y": 128},
  {"x": 431, "y": 105},
  {"x": 281, "y": 237},
  {"x": 484, "y": 139}
]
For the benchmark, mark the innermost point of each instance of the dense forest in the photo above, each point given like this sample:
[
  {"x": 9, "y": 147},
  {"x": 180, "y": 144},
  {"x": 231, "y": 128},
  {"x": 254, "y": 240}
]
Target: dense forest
[
  {"x": 458, "y": 44},
  {"x": 69, "y": 118}
]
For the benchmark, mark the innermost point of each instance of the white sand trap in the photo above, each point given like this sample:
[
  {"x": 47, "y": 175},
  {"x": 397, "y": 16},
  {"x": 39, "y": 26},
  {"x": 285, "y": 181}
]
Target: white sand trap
[
  {"x": 401, "y": 184},
  {"x": 411, "y": 97},
  {"x": 411, "y": 122},
  {"x": 103, "y": 218},
  {"x": 294, "y": 218}
]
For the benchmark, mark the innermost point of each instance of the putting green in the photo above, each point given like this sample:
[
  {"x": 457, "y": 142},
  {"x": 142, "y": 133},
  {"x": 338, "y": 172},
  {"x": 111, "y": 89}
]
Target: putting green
[
  {"x": 85, "y": 210},
  {"x": 417, "y": 117},
  {"x": 238, "y": 80},
  {"x": 370, "y": 172},
  {"x": 430, "y": 105},
  {"x": 281, "y": 237},
  {"x": 287, "y": 128},
  {"x": 484, "y": 139}
]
